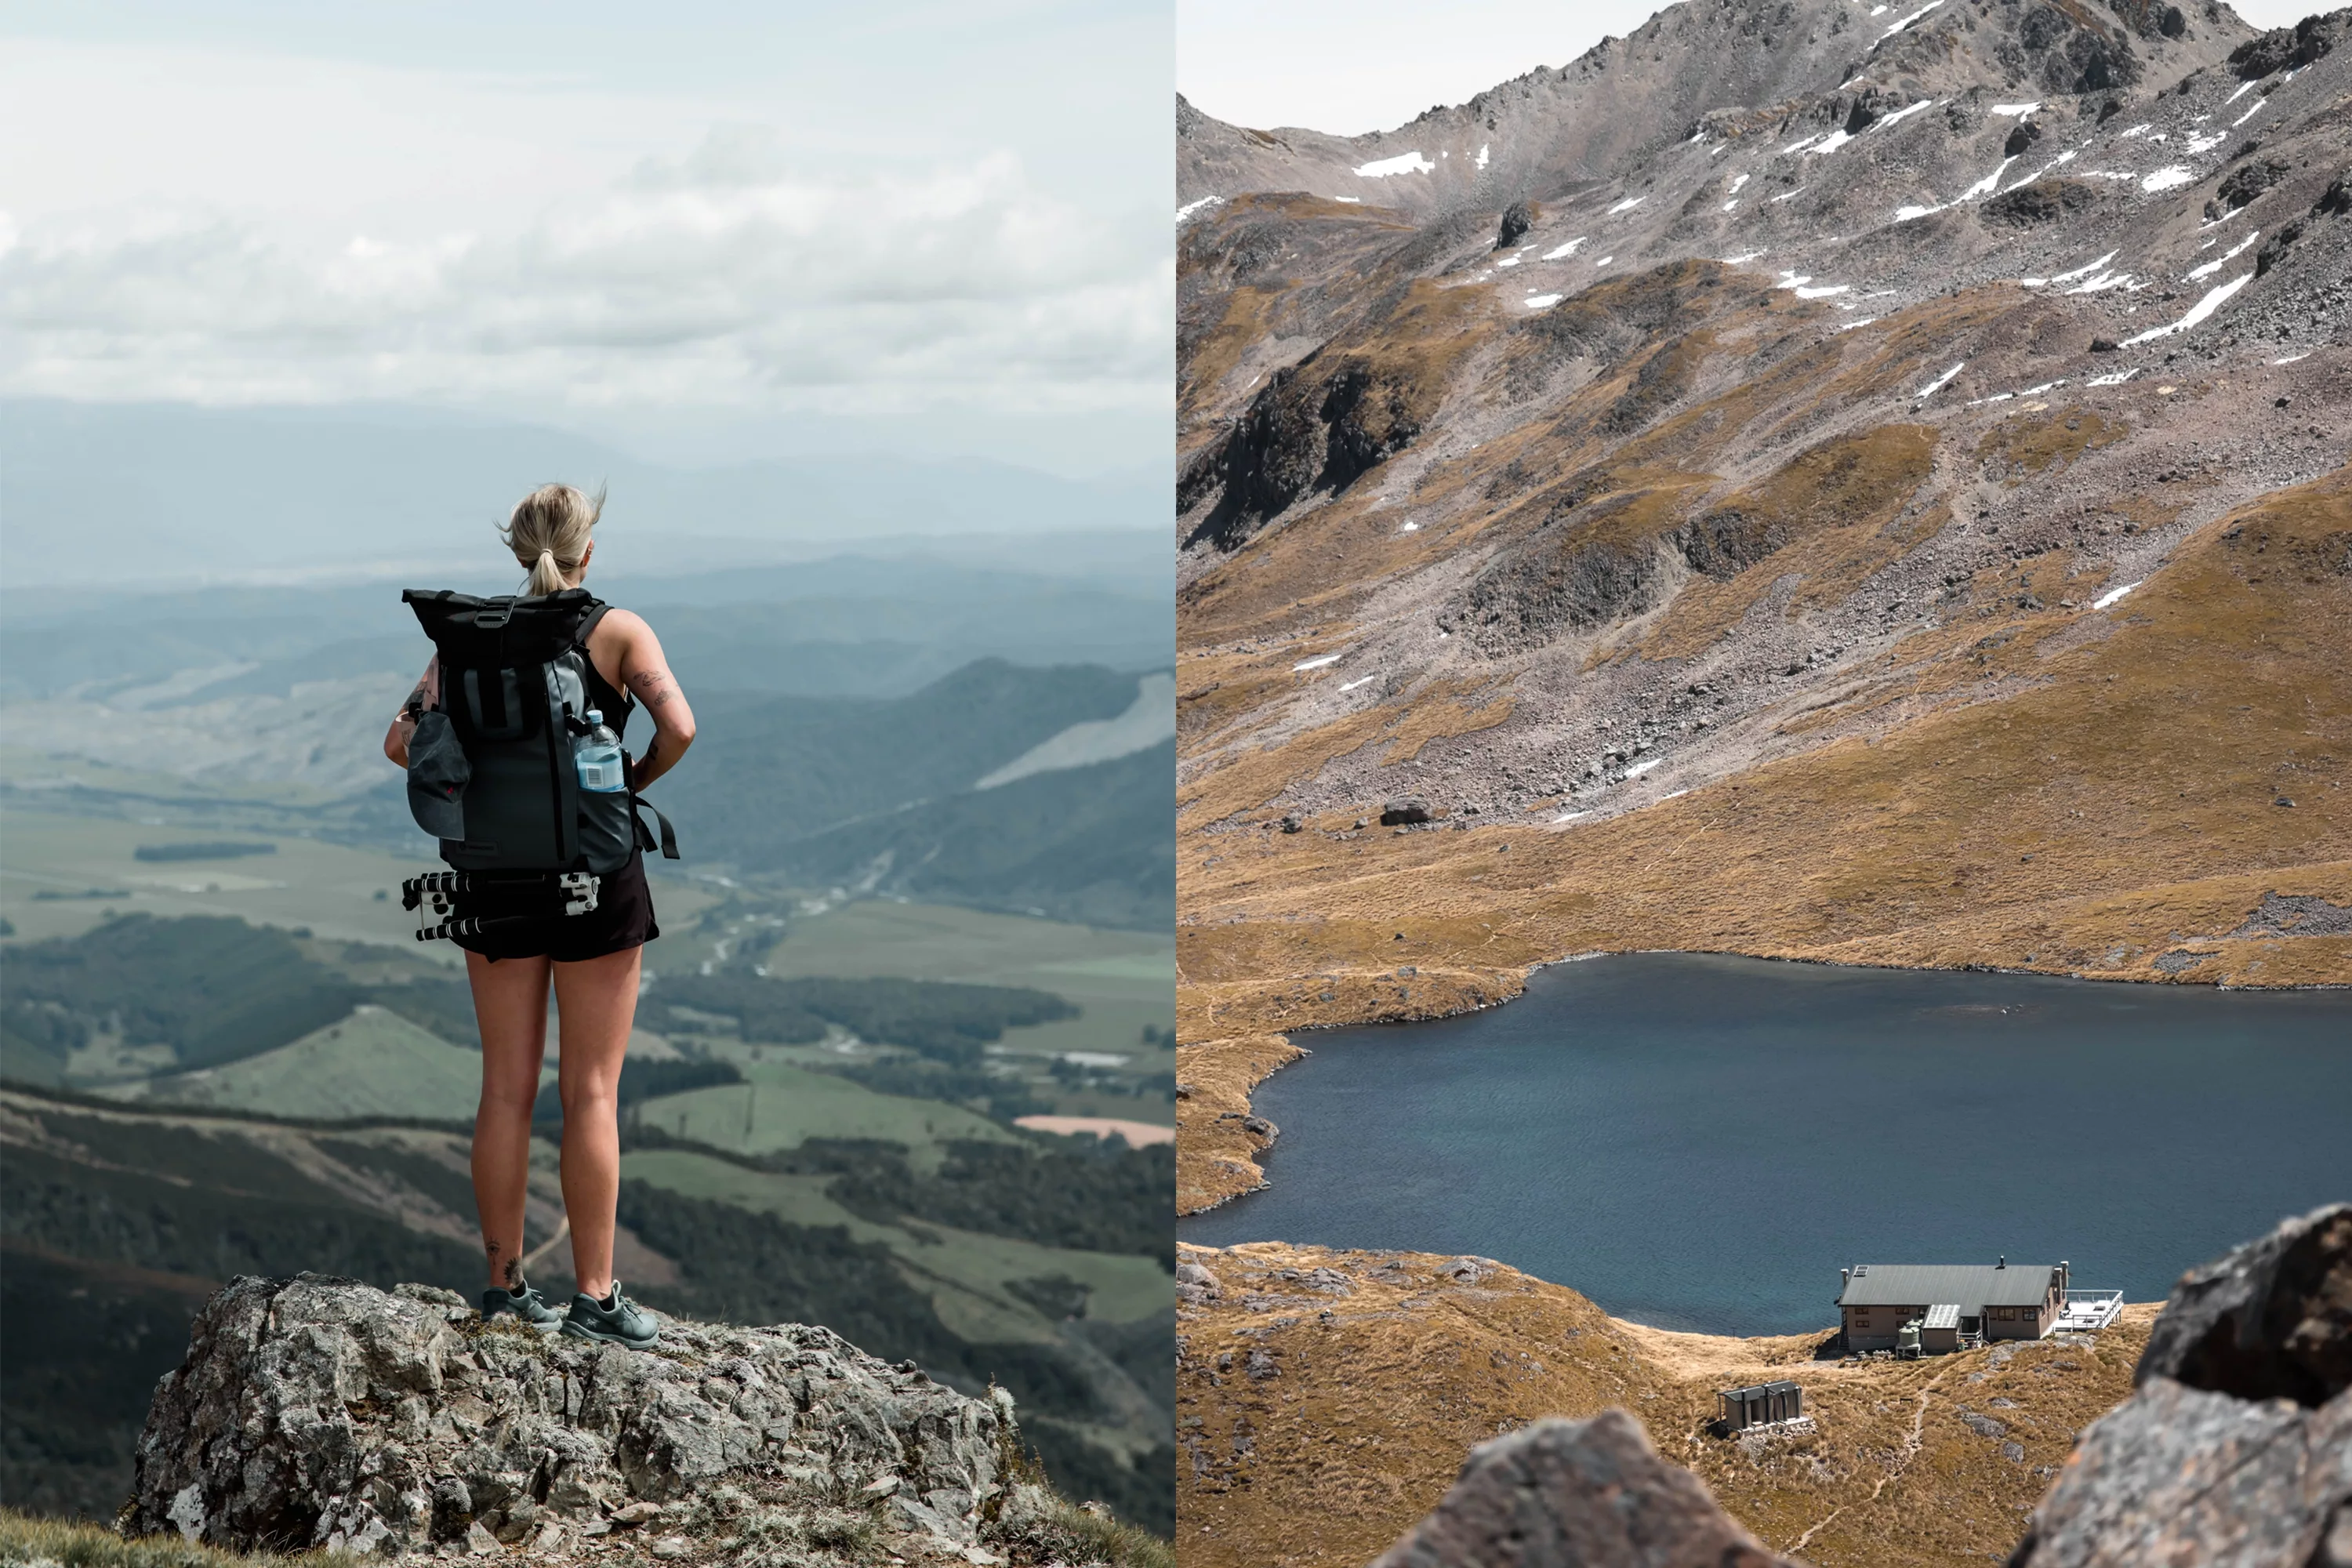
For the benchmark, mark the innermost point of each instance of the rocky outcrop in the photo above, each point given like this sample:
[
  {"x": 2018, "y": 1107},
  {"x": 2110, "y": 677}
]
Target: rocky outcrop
[
  {"x": 2235, "y": 1451},
  {"x": 1517, "y": 218},
  {"x": 2283, "y": 48},
  {"x": 1590, "y": 1493},
  {"x": 320, "y": 1411}
]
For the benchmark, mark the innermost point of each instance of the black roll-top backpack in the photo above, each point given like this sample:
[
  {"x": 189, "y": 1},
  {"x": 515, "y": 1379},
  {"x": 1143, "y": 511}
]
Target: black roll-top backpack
[{"x": 514, "y": 697}]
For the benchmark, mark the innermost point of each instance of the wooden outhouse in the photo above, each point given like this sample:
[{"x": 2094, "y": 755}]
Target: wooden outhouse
[{"x": 1759, "y": 1405}]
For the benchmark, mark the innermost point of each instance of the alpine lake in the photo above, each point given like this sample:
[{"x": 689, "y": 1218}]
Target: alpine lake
[{"x": 1701, "y": 1143}]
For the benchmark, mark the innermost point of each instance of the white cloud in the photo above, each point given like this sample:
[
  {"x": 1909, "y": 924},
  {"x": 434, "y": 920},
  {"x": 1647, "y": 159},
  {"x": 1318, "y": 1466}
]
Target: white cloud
[{"x": 423, "y": 248}]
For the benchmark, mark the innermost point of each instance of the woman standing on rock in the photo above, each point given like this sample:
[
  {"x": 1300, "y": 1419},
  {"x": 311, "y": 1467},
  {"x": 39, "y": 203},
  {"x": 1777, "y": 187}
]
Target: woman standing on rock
[{"x": 590, "y": 958}]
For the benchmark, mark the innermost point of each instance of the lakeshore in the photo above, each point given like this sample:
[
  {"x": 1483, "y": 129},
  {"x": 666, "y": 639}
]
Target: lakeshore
[{"x": 1698, "y": 1140}]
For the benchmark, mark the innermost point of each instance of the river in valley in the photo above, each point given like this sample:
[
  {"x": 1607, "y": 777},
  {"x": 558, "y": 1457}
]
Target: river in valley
[{"x": 1701, "y": 1143}]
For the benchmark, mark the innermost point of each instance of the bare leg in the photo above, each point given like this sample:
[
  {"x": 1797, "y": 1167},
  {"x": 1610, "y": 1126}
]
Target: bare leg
[
  {"x": 595, "y": 1005},
  {"x": 510, "y": 1008}
]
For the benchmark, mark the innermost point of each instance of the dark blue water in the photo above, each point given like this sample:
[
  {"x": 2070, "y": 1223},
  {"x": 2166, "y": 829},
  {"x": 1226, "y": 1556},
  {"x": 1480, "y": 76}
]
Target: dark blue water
[{"x": 1701, "y": 1143}]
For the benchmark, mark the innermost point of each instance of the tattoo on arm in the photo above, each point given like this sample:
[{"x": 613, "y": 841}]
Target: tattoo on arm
[{"x": 652, "y": 687}]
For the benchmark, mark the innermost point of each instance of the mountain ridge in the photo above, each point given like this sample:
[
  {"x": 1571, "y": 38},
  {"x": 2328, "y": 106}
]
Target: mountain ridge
[
  {"x": 1937, "y": 564},
  {"x": 1751, "y": 57},
  {"x": 98, "y": 494}
]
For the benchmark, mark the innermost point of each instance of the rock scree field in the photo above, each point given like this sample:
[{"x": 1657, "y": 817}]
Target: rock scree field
[{"x": 1884, "y": 501}]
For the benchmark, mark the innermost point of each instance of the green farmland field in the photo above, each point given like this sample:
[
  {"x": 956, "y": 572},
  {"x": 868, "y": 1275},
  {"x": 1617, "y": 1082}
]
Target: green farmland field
[
  {"x": 782, "y": 1106},
  {"x": 964, "y": 1272}
]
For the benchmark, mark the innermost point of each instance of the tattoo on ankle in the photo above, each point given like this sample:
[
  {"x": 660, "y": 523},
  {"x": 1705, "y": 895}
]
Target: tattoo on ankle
[{"x": 510, "y": 1271}]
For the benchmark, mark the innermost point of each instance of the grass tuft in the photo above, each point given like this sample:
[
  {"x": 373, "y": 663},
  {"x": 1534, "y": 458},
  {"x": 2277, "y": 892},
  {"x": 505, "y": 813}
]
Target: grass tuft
[
  {"x": 29, "y": 1543},
  {"x": 1077, "y": 1535}
]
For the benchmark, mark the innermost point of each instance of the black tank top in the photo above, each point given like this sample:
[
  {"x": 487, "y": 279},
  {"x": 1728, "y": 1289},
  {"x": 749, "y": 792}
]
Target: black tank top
[{"x": 615, "y": 705}]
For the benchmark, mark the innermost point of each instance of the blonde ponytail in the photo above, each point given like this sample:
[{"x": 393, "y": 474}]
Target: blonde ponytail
[{"x": 548, "y": 532}]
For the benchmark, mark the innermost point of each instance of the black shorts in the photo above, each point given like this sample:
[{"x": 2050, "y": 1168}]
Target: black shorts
[{"x": 622, "y": 919}]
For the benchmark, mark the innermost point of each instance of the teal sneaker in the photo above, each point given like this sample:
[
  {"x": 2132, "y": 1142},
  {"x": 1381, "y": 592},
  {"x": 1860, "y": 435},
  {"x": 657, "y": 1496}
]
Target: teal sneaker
[
  {"x": 526, "y": 1303},
  {"x": 616, "y": 1319}
]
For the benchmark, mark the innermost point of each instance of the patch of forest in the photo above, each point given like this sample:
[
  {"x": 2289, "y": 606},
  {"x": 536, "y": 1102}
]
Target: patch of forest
[
  {"x": 1082, "y": 1194},
  {"x": 216, "y": 990}
]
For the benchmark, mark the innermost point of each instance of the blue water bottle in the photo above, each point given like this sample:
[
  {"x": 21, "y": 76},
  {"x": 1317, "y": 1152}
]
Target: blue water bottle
[{"x": 597, "y": 756}]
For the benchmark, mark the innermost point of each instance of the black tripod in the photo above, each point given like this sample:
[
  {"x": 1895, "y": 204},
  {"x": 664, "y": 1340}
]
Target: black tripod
[{"x": 450, "y": 894}]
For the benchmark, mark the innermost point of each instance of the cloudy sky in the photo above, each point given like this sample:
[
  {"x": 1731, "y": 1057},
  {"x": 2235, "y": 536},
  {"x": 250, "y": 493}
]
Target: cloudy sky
[
  {"x": 1352, "y": 65},
  {"x": 705, "y": 230}
]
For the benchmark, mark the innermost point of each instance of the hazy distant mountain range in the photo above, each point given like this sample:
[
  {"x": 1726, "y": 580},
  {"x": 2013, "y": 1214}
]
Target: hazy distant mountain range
[
  {"x": 850, "y": 706},
  {"x": 146, "y": 494}
]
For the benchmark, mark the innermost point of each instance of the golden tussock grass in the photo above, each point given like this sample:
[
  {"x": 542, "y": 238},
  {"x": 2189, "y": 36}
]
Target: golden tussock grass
[
  {"x": 1325, "y": 1401},
  {"x": 2031, "y": 444},
  {"x": 25, "y": 1540},
  {"x": 2108, "y": 801},
  {"x": 1211, "y": 359},
  {"x": 1216, "y": 1156}
]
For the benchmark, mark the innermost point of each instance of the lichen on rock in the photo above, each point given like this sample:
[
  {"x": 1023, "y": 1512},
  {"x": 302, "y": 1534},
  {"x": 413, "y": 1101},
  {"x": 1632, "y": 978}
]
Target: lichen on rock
[
  {"x": 2236, "y": 1446},
  {"x": 318, "y": 1412},
  {"x": 1593, "y": 1493}
]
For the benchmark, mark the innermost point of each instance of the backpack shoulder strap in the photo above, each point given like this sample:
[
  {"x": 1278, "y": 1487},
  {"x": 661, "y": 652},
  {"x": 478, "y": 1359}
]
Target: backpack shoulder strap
[{"x": 588, "y": 623}]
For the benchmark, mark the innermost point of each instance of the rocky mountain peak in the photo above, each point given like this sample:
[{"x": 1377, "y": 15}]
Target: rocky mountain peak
[
  {"x": 318, "y": 1412},
  {"x": 1702, "y": 67}
]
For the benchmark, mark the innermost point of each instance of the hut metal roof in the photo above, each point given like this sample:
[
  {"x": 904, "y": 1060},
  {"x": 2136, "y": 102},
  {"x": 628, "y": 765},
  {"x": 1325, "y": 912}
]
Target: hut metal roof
[{"x": 1972, "y": 1285}]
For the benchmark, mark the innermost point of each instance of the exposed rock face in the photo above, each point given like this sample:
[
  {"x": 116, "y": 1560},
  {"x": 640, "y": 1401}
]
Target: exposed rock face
[
  {"x": 320, "y": 1411},
  {"x": 1590, "y": 1493},
  {"x": 2236, "y": 1450},
  {"x": 1517, "y": 218},
  {"x": 2281, "y": 48},
  {"x": 2044, "y": 200},
  {"x": 2272, "y": 1320}
]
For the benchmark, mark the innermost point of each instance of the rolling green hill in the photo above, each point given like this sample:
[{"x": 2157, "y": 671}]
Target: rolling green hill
[
  {"x": 1082, "y": 844},
  {"x": 873, "y": 1186},
  {"x": 372, "y": 1062},
  {"x": 769, "y": 771},
  {"x": 879, "y": 794},
  {"x": 213, "y": 989},
  {"x": 782, "y": 1105}
]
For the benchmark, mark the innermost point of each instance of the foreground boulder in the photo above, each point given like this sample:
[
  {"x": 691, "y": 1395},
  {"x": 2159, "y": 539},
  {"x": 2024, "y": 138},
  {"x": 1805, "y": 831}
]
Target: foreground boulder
[
  {"x": 318, "y": 1412},
  {"x": 1592, "y": 1494},
  {"x": 2235, "y": 1449}
]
